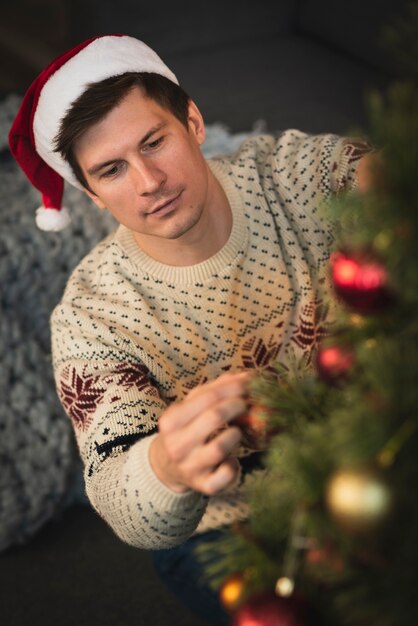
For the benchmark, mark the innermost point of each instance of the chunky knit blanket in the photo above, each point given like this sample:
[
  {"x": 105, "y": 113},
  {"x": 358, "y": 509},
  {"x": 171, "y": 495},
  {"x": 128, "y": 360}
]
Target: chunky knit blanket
[{"x": 40, "y": 470}]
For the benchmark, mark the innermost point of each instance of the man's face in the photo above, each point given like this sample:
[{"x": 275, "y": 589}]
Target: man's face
[{"x": 146, "y": 168}]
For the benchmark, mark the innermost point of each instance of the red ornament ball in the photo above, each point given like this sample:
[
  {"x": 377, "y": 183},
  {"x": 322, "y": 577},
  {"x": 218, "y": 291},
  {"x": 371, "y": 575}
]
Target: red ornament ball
[
  {"x": 362, "y": 283},
  {"x": 334, "y": 363},
  {"x": 267, "y": 609},
  {"x": 254, "y": 427}
]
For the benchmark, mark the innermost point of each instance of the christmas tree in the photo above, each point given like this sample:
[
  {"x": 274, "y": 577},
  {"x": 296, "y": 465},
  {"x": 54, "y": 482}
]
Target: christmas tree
[{"x": 332, "y": 538}]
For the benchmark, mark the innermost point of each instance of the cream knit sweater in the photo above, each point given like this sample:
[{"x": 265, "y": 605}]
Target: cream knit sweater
[{"x": 132, "y": 335}]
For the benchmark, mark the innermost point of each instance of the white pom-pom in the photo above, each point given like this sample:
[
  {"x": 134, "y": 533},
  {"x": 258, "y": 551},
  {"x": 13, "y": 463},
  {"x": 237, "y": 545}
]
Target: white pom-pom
[{"x": 52, "y": 219}]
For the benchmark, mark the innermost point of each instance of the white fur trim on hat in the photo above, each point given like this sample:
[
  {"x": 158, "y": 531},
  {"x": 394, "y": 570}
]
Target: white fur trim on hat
[
  {"x": 104, "y": 57},
  {"x": 51, "y": 219}
]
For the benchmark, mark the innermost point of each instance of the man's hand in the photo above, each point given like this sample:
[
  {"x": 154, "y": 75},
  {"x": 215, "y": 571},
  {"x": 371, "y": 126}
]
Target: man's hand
[
  {"x": 369, "y": 171},
  {"x": 193, "y": 447}
]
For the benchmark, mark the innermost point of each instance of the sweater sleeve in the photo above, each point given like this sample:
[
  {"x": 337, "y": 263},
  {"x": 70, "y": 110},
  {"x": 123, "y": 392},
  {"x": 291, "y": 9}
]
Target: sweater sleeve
[
  {"x": 114, "y": 406},
  {"x": 304, "y": 172},
  {"x": 312, "y": 167}
]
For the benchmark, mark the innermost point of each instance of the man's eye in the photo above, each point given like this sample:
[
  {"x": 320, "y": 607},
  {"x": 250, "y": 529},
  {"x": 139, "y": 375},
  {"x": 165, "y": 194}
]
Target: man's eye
[
  {"x": 113, "y": 171},
  {"x": 154, "y": 144}
]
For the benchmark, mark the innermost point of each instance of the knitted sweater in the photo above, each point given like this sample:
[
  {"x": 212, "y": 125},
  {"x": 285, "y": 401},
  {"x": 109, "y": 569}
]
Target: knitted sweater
[{"x": 132, "y": 335}]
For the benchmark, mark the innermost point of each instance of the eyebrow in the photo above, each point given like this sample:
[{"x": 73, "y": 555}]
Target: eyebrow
[{"x": 95, "y": 169}]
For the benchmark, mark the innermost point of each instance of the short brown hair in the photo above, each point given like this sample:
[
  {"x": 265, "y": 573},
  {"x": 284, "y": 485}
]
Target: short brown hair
[{"x": 102, "y": 97}]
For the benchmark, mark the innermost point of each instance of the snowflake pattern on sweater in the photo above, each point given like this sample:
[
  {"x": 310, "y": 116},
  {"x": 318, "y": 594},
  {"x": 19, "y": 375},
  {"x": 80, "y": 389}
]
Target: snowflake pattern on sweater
[{"x": 132, "y": 335}]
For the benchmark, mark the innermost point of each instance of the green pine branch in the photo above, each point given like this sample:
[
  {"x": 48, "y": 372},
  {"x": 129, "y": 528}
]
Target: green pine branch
[{"x": 367, "y": 423}]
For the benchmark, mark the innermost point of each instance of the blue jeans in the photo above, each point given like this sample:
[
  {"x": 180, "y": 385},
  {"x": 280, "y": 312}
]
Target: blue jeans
[{"x": 183, "y": 574}]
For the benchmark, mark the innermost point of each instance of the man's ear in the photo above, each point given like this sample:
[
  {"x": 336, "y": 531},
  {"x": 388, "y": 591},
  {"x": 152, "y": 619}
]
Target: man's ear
[
  {"x": 95, "y": 198},
  {"x": 196, "y": 123}
]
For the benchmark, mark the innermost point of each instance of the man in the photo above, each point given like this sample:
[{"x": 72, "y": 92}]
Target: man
[{"x": 214, "y": 272}]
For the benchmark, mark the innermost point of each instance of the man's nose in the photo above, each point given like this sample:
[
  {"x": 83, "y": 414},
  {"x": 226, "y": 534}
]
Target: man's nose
[{"x": 147, "y": 177}]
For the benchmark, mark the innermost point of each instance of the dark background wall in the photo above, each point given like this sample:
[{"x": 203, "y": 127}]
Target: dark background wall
[{"x": 291, "y": 63}]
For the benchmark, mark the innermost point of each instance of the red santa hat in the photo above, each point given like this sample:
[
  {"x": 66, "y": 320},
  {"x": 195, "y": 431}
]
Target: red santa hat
[{"x": 37, "y": 123}]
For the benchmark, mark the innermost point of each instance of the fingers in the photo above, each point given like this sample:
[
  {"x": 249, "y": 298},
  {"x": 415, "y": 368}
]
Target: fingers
[
  {"x": 179, "y": 414},
  {"x": 224, "y": 379},
  {"x": 221, "y": 478},
  {"x": 213, "y": 469},
  {"x": 194, "y": 443},
  {"x": 198, "y": 431}
]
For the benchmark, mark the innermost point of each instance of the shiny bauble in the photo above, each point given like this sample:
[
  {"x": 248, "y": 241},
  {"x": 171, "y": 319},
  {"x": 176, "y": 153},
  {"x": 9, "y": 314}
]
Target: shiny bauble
[
  {"x": 334, "y": 363},
  {"x": 361, "y": 282},
  {"x": 255, "y": 428},
  {"x": 360, "y": 500},
  {"x": 267, "y": 609},
  {"x": 232, "y": 591}
]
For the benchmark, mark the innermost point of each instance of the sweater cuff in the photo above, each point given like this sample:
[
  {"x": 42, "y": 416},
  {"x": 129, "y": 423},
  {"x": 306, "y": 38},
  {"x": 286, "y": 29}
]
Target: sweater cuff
[
  {"x": 152, "y": 489},
  {"x": 345, "y": 161}
]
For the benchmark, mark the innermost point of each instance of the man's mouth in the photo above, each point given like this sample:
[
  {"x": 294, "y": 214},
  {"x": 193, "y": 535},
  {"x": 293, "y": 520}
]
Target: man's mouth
[{"x": 166, "y": 206}]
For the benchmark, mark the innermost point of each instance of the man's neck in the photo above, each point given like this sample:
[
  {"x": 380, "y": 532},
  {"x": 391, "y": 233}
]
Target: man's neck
[{"x": 201, "y": 242}]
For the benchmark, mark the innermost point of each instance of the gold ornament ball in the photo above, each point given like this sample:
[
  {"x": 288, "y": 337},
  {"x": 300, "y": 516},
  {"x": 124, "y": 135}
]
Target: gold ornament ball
[
  {"x": 360, "y": 500},
  {"x": 232, "y": 592}
]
